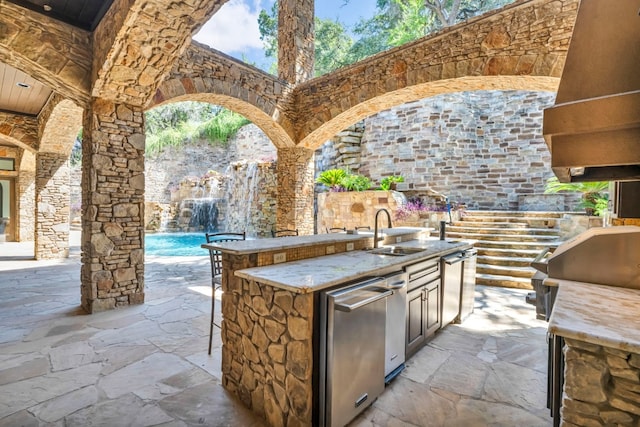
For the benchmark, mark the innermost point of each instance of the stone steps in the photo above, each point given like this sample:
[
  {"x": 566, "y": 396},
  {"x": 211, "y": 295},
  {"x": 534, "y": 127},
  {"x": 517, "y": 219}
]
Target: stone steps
[
  {"x": 507, "y": 242},
  {"x": 506, "y": 260},
  {"x": 511, "y": 238},
  {"x": 503, "y": 281},
  {"x": 506, "y": 270},
  {"x": 483, "y": 229},
  {"x": 530, "y": 218}
]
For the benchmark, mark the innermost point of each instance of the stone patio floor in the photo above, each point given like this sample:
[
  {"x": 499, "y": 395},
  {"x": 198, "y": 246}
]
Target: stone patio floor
[{"x": 147, "y": 365}]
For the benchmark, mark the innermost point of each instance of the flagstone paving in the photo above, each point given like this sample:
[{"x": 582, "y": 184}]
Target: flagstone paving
[{"x": 148, "y": 365}]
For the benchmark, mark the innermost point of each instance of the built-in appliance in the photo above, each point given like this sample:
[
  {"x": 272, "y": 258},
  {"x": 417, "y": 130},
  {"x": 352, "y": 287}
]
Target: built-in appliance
[
  {"x": 593, "y": 130},
  {"x": 468, "y": 291},
  {"x": 452, "y": 269},
  {"x": 395, "y": 334},
  {"x": 352, "y": 349},
  {"x": 605, "y": 256}
]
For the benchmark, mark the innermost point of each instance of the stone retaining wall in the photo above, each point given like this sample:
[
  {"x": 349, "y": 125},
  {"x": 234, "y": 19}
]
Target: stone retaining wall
[
  {"x": 601, "y": 386},
  {"x": 484, "y": 149}
]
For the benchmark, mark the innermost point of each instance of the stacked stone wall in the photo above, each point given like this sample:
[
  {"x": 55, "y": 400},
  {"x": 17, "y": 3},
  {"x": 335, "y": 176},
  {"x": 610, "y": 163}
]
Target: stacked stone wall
[
  {"x": 267, "y": 359},
  {"x": 165, "y": 170},
  {"x": 251, "y": 198},
  {"x": 251, "y": 143},
  {"x": 342, "y": 151},
  {"x": 52, "y": 206},
  {"x": 601, "y": 386},
  {"x": 483, "y": 149},
  {"x": 26, "y": 189}
]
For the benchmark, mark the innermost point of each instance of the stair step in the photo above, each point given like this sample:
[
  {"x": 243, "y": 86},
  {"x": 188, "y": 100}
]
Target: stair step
[
  {"x": 501, "y": 237},
  {"x": 513, "y": 261},
  {"x": 507, "y": 242},
  {"x": 504, "y": 231},
  {"x": 511, "y": 214},
  {"x": 503, "y": 281},
  {"x": 509, "y": 271},
  {"x": 511, "y": 245},
  {"x": 508, "y": 252},
  {"x": 483, "y": 224}
]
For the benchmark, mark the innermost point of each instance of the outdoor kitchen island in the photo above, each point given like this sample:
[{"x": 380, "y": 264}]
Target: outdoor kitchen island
[
  {"x": 270, "y": 334},
  {"x": 600, "y": 331}
]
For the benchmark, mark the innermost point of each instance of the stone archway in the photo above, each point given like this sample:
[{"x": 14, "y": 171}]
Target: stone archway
[
  {"x": 272, "y": 129},
  {"x": 394, "y": 98},
  {"x": 60, "y": 122}
]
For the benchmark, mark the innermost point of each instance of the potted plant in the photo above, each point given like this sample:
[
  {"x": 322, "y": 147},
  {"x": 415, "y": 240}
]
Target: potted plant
[
  {"x": 389, "y": 182},
  {"x": 332, "y": 178},
  {"x": 353, "y": 182},
  {"x": 339, "y": 180},
  {"x": 594, "y": 200}
]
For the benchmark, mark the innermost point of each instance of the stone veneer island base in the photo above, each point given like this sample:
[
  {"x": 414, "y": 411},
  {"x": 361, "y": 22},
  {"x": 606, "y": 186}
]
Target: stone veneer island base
[
  {"x": 267, "y": 356},
  {"x": 601, "y": 330}
]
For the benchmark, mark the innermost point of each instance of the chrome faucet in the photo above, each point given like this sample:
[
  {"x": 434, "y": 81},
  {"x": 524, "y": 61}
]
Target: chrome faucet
[{"x": 375, "y": 229}]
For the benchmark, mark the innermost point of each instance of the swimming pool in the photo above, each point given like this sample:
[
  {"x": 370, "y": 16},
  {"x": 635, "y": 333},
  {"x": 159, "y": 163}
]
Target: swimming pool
[{"x": 175, "y": 244}]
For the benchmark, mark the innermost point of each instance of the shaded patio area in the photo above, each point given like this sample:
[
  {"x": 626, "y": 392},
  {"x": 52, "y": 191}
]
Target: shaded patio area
[{"x": 148, "y": 364}]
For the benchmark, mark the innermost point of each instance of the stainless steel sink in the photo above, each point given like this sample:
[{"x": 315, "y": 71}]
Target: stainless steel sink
[{"x": 396, "y": 251}]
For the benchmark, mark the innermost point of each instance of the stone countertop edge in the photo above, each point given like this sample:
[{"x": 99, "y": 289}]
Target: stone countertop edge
[
  {"x": 315, "y": 274},
  {"x": 597, "y": 314},
  {"x": 243, "y": 247}
]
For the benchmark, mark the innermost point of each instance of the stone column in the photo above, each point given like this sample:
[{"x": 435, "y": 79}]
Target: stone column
[
  {"x": 113, "y": 144},
  {"x": 295, "y": 189},
  {"x": 25, "y": 198},
  {"x": 52, "y": 206},
  {"x": 295, "y": 40}
]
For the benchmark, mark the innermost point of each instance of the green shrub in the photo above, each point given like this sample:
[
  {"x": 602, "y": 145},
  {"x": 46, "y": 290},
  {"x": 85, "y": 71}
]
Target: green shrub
[
  {"x": 594, "y": 194},
  {"x": 356, "y": 182},
  {"x": 222, "y": 127},
  {"x": 332, "y": 178},
  {"x": 386, "y": 182}
]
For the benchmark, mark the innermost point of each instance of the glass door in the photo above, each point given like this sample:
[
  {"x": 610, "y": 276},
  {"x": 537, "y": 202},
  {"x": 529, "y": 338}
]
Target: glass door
[{"x": 5, "y": 210}]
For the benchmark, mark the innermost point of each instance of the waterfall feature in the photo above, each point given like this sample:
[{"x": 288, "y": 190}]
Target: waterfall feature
[
  {"x": 241, "y": 199},
  {"x": 251, "y": 198},
  {"x": 198, "y": 214}
]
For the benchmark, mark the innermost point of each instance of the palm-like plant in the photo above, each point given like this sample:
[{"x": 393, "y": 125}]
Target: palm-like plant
[
  {"x": 332, "y": 178},
  {"x": 594, "y": 194}
]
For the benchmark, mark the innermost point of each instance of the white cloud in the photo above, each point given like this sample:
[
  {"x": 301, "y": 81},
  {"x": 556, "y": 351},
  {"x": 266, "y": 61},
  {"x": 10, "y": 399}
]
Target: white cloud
[{"x": 234, "y": 28}]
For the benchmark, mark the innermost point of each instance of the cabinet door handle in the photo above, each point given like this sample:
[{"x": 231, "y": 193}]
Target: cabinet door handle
[{"x": 424, "y": 294}]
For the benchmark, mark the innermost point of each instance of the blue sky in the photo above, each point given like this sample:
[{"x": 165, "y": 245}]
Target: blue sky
[{"x": 234, "y": 29}]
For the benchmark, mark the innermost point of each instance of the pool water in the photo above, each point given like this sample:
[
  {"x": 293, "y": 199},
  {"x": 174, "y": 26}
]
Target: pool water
[{"x": 175, "y": 244}]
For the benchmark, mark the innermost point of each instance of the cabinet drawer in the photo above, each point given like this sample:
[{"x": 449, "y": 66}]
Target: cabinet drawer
[{"x": 423, "y": 272}]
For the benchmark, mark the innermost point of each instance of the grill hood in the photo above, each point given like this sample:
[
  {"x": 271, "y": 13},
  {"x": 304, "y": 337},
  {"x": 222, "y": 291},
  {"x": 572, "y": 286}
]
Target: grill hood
[{"x": 593, "y": 130}]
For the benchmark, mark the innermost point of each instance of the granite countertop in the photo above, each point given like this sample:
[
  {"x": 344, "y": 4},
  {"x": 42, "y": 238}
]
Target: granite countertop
[
  {"x": 315, "y": 274},
  {"x": 597, "y": 314},
  {"x": 242, "y": 247}
]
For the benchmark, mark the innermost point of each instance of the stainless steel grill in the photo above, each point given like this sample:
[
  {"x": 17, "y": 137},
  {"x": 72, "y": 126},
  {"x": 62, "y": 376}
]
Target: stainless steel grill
[{"x": 603, "y": 255}]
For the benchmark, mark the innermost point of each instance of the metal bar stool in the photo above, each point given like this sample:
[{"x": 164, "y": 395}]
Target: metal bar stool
[{"x": 216, "y": 270}]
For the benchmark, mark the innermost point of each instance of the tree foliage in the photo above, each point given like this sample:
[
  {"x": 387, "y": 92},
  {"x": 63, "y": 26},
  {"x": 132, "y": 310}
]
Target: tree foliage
[{"x": 395, "y": 23}]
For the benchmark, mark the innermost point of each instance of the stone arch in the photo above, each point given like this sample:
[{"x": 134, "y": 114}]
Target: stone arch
[
  {"x": 206, "y": 74},
  {"x": 257, "y": 116},
  {"x": 324, "y": 132},
  {"x": 19, "y": 130},
  {"x": 60, "y": 122}
]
